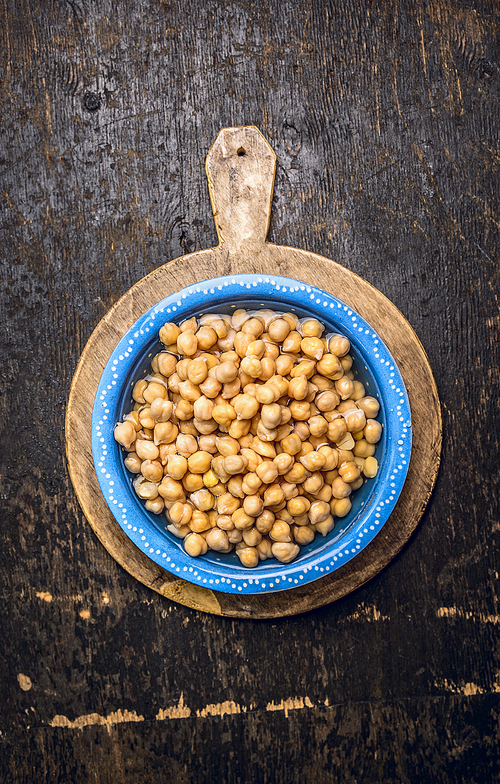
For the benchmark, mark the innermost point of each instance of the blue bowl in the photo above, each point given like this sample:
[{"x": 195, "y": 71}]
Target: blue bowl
[{"x": 372, "y": 503}]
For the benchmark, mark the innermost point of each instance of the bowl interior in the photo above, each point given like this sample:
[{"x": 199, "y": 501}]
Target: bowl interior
[{"x": 371, "y": 504}]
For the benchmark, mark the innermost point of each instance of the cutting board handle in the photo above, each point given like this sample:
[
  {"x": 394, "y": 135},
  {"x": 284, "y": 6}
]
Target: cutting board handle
[{"x": 240, "y": 168}]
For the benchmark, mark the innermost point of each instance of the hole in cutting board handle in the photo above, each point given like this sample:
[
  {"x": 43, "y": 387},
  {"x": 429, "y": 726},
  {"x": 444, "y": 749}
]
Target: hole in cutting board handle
[{"x": 241, "y": 151}]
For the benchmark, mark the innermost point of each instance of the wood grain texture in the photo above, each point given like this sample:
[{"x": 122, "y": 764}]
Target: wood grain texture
[
  {"x": 240, "y": 169},
  {"x": 384, "y": 120}
]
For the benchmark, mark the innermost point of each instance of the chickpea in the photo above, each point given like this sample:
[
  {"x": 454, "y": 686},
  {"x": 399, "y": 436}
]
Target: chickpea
[
  {"x": 187, "y": 343},
  {"x": 171, "y": 490},
  {"x": 340, "y": 489},
  {"x": 180, "y": 532},
  {"x": 370, "y": 467},
  {"x": 349, "y": 471},
  {"x": 166, "y": 363},
  {"x": 297, "y": 474},
  {"x": 327, "y": 400},
  {"x": 298, "y": 505},
  {"x": 285, "y": 552},
  {"x": 251, "y": 483},
  {"x": 180, "y": 513},
  {"x": 199, "y": 462},
  {"x": 369, "y": 405},
  {"x": 331, "y": 457},
  {"x": 359, "y": 391},
  {"x": 225, "y": 522},
  {"x": 251, "y": 536},
  {"x": 245, "y": 406},
  {"x": 311, "y": 328},
  {"x": 169, "y": 333},
  {"x": 337, "y": 430},
  {"x": 216, "y": 539},
  {"x": 264, "y": 549},
  {"x": 203, "y": 408},
  {"x": 146, "y": 490},
  {"x": 146, "y": 450},
  {"x": 265, "y": 521},
  {"x": 227, "y": 504},
  {"x": 325, "y": 526},
  {"x": 224, "y": 414},
  {"x": 231, "y": 389},
  {"x": 355, "y": 420},
  {"x": 268, "y": 368},
  {"x": 195, "y": 545},
  {"x": 152, "y": 470},
  {"x": 339, "y": 345},
  {"x": 312, "y": 347},
  {"x": 303, "y": 534},
  {"x": 192, "y": 482},
  {"x": 235, "y": 486},
  {"x": 271, "y": 415},
  {"x": 253, "y": 505},
  {"x": 313, "y": 461},
  {"x": 207, "y": 337},
  {"x": 235, "y": 536},
  {"x": 283, "y": 462},
  {"x": 283, "y": 364},
  {"x": 210, "y": 387},
  {"x": 363, "y": 449},
  {"x": 273, "y": 495},
  {"x": 314, "y": 483},
  {"x": 318, "y": 511},
  {"x": 278, "y": 330},
  {"x": 267, "y": 393},
  {"x": 125, "y": 433},
  {"x": 298, "y": 388},
  {"x": 305, "y": 368},
  {"x": 234, "y": 464},
  {"x": 372, "y": 431},
  {"x": 291, "y": 444},
  {"x": 161, "y": 410},
  {"x": 253, "y": 458},
  {"x": 200, "y": 521},
  {"x": 263, "y": 448},
  {"x": 265, "y": 434},
  {"x": 186, "y": 445},
  {"x": 241, "y": 519},
  {"x": 184, "y": 410},
  {"x": 340, "y": 507},
  {"x": 344, "y": 387},
  {"x": 330, "y": 366},
  {"x": 202, "y": 499},
  {"x": 226, "y": 343},
  {"x": 173, "y": 383},
  {"x": 197, "y": 371},
  {"x": 249, "y": 556},
  {"x": 155, "y": 505},
  {"x": 154, "y": 390},
  {"x": 318, "y": 426},
  {"x": 267, "y": 471},
  {"x": 226, "y": 371},
  {"x": 280, "y": 532},
  {"x": 239, "y": 428},
  {"x": 133, "y": 463}
]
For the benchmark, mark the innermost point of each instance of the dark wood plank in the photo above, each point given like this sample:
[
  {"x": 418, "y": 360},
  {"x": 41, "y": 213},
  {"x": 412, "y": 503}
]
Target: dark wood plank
[{"x": 384, "y": 120}]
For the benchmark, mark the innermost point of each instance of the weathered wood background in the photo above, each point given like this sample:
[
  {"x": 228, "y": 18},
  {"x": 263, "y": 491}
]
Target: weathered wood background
[{"x": 384, "y": 117}]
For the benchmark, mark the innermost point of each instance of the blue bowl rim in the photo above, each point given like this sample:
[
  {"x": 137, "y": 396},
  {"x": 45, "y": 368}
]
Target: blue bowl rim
[{"x": 322, "y": 557}]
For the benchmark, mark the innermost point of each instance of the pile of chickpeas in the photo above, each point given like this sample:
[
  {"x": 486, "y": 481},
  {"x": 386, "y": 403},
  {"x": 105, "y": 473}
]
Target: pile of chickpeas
[{"x": 250, "y": 433}]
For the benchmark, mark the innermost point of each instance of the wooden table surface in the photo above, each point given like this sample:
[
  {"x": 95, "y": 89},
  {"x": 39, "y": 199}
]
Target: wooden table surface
[{"x": 384, "y": 118}]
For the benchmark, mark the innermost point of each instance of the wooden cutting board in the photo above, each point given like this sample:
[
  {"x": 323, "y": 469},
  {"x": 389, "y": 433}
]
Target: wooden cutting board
[{"x": 240, "y": 168}]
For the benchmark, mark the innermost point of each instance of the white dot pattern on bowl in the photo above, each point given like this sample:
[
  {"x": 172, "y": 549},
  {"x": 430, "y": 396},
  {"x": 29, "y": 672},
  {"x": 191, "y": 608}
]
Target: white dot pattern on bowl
[{"x": 154, "y": 544}]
